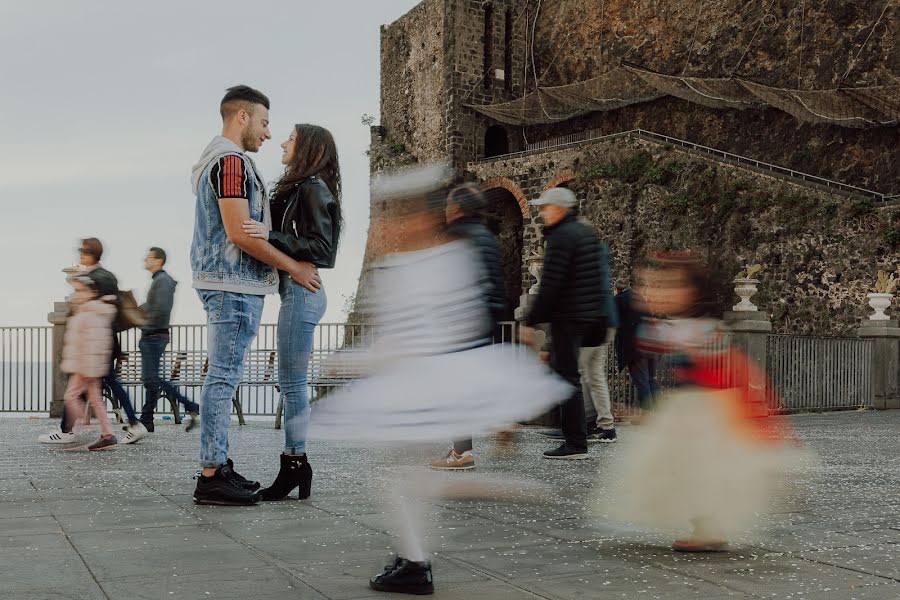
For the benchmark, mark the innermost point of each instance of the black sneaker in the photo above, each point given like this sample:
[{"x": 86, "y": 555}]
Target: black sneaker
[
  {"x": 222, "y": 490},
  {"x": 404, "y": 577},
  {"x": 566, "y": 452},
  {"x": 606, "y": 436},
  {"x": 552, "y": 434},
  {"x": 240, "y": 479}
]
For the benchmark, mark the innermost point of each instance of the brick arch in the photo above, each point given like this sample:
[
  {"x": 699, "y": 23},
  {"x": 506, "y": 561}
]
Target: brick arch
[
  {"x": 510, "y": 186},
  {"x": 560, "y": 178}
]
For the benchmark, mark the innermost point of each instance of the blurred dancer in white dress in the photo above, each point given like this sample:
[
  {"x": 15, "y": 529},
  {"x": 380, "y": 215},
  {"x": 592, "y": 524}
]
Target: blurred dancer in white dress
[{"x": 432, "y": 371}]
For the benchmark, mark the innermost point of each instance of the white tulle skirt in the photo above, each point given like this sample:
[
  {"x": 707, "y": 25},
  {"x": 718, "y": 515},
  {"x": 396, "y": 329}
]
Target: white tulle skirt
[
  {"x": 699, "y": 464},
  {"x": 436, "y": 398}
]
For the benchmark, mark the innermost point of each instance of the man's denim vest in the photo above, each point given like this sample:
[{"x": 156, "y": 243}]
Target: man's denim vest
[{"x": 216, "y": 262}]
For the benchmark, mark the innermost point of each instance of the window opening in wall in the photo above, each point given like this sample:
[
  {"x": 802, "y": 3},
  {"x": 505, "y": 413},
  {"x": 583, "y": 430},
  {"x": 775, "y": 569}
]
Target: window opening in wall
[
  {"x": 507, "y": 51},
  {"x": 488, "y": 45},
  {"x": 496, "y": 142}
]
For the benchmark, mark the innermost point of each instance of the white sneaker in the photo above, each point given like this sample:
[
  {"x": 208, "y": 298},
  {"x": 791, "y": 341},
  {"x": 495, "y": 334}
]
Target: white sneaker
[
  {"x": 134, "y": 433},
  {"x": 57, "y": 437}
]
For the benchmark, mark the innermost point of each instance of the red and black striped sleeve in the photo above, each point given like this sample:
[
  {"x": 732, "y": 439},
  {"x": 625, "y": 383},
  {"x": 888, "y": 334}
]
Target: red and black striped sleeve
[{"x": 229, "y": 178}]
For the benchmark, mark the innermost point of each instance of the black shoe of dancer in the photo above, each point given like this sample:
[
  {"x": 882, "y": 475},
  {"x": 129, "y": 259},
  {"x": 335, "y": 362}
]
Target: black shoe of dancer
[
  {"x": 294, "y": 472},
  {"x": 404, "y": 577},
  {"x": 239, "y": 479},
  {"x": 221, "y": 489}
]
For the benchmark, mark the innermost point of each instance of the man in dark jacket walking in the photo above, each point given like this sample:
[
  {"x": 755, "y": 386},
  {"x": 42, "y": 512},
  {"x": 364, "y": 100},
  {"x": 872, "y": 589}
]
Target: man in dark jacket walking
[
  {"x": 464, "y": 218},
  {"x": 570, "y": 298},
  {"x": 155, "y": 338}
]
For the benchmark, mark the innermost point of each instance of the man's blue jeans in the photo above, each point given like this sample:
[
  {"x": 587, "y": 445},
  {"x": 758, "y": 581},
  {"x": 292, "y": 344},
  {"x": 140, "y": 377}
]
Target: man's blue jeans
[
  {"x": 301, "y": 310},
  {"x": 233, "y": 322},
  {"x": 152, "y": 347}
]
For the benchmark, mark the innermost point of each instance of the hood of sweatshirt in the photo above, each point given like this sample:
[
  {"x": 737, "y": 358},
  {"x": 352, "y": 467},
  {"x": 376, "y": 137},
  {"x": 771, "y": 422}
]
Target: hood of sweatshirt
[{"x": 217, "y": 147}]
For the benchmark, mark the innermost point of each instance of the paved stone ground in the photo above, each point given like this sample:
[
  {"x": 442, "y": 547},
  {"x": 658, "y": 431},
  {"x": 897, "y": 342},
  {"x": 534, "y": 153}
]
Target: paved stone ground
[{"x": 121, "y": 524}]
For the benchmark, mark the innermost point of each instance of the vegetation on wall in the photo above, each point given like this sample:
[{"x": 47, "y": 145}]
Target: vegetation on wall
[{"x": 819, "y": 250}]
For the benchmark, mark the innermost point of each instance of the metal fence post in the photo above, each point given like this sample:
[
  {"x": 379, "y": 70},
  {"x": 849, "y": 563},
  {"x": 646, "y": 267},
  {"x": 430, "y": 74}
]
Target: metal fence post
[
  {"x": 750, "y": 331},
  {"x": 885, "y": 365}
]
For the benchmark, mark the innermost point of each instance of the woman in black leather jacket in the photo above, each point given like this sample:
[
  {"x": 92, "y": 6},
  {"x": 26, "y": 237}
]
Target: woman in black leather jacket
[{"x": 306, "y": 225}]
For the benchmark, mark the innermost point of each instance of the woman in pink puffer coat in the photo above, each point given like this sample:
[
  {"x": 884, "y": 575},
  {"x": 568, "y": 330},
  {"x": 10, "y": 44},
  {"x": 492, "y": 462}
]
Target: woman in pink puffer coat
[{"x": 87, "y": 349}]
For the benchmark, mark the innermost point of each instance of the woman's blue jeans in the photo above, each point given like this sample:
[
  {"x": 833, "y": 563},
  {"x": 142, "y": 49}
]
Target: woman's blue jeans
[{"x": 301, "y": 310}]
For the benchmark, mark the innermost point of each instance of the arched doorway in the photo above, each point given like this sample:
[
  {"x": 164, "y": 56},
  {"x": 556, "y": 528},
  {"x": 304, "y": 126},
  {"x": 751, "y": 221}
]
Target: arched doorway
[
  {"x": 503, "y": 216},
  {"x": 496, "y": 141}
]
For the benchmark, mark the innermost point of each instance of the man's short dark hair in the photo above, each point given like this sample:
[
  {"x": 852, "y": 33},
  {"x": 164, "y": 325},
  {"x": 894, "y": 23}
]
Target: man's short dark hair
[
  {"x": 158, "y": 253},
  {"x": 93, "y": 247},
  {"x": 241, "y": 97},
  {"x": 469, "y": 199}
]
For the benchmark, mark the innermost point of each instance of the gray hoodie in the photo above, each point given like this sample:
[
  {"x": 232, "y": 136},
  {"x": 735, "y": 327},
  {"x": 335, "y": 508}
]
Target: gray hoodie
[{"x": 219, "y": 146}]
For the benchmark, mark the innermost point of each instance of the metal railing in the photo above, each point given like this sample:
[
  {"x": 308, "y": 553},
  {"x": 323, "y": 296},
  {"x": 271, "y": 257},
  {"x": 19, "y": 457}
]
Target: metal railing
[
  {"x": 818, "y": 373},
  {"x": 591, "y": 136},
  {"x": 26, "y": 362},
  {"x": 805, "y": 373},
  {"x": 26, "y": 369}
]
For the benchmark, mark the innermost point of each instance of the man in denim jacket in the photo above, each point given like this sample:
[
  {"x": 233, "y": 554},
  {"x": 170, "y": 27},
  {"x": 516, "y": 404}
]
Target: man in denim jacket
[{"x": 232, "y": 273}]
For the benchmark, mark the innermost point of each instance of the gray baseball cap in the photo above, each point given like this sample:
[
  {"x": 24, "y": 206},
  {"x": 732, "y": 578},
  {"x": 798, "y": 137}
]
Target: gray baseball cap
[{"x": 559, "y": 195}]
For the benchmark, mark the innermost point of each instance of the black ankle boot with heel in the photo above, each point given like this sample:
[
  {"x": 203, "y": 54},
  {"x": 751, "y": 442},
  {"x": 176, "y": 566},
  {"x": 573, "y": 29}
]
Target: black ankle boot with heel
[{"x": 295, "y": 472}]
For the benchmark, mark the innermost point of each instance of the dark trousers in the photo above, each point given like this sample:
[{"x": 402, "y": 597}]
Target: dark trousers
[
  {"x": 118, "y": 392},
  {"x": 152, "y": 348},
  {"x": 643, "y": 378},
  {"x": 565, "y": 343},
  {"x": 461, "y": 446}
]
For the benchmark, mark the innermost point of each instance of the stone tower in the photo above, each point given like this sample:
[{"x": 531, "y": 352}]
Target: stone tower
[{"x": 437, "y": 58}]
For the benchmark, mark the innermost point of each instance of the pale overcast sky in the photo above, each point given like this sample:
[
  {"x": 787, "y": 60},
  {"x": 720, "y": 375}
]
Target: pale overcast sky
[{"x": 105, "y": 105}]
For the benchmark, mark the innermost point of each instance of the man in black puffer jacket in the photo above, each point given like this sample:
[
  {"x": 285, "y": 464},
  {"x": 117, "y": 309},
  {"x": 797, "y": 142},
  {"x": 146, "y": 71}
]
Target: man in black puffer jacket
[
  {"x": 463, "y": 212},
  {"x": 571, "y": 298}
]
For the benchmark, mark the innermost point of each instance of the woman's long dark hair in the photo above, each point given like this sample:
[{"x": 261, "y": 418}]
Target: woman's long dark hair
[{"x": 315, "y": 153}]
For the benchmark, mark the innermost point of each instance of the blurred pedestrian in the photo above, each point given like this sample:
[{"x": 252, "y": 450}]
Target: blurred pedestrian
[
  {"x": 87, "y": 347},
  {"x": 641, "y": 365},
  {"x": 90, "y": 252},
  {"x": 432, "y": 371},
  {"x": 463, "y": 212}
]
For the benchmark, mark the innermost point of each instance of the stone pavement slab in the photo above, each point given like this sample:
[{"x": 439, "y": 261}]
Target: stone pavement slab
[{"x": 121, "y": 524}]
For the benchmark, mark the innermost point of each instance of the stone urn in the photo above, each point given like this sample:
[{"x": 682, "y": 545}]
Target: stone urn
[
  {"x": 535, "y": 268},
  {"x": 745, "y": 288},
  {"x": 879, "y": 303}
]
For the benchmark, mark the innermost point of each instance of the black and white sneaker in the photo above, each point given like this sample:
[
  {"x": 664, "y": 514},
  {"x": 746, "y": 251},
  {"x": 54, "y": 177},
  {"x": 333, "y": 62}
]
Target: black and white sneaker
[
  {"x": 605, "y": 436},
  {"x": 221, "y": 489},
  {"x": 566, "y": 452},
  {"x": 239, "y": 479},
  {"x": 404, "y": 577},
  {"x": 58, "y": 437}
]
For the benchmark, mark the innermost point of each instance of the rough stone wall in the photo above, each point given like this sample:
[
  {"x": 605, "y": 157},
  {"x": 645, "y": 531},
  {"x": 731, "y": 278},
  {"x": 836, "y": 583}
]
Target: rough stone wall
[
  {"x": 770, "y": 41},
  {"x": 821, "y": 251},
  {"x": 788, "y": 43},
  {"x": 412, "y": 80}
]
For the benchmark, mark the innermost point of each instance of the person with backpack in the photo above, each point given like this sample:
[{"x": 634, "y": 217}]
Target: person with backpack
[{"x": 90, "y": 252}]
